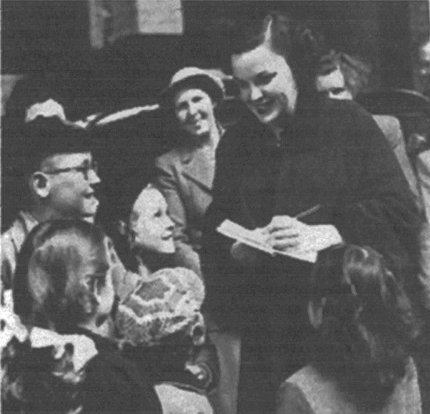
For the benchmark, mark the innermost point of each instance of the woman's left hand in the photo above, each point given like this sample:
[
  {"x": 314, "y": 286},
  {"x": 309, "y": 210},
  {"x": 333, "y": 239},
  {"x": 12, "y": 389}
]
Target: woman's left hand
[{"x": 285, "y": 232}]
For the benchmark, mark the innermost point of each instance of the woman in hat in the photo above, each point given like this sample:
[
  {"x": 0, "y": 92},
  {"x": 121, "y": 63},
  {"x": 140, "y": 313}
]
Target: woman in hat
[{"x": 185, "y": 174}]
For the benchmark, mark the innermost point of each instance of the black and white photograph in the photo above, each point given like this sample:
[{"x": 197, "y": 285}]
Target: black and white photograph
[{"x": 215, "y": 207}]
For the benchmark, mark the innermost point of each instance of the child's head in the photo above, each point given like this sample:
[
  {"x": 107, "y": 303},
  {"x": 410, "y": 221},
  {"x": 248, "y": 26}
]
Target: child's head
[
  {"x": 150, "y": 225},
  {"x": 63, "y": 276},
  {"x": 364, "y": 320}
]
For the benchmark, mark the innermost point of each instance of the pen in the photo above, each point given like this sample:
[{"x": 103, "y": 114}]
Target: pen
[{"x": 307, "y": 212}]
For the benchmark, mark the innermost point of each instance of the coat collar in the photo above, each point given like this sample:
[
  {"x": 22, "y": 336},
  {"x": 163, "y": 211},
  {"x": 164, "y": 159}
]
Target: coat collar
[
  {"x": 302, "y": 134},
  {"x": 198, "y": 165}
]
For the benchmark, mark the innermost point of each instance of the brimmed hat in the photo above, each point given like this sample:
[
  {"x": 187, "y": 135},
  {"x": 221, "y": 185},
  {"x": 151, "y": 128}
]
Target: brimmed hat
[
  {"x": 193, "y": 77},
  {"x": 46, "y": 132},
  {"x": 52, "y": 136}
]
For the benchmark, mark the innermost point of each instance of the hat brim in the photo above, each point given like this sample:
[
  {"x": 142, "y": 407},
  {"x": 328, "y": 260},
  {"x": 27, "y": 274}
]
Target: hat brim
[{"x": 198, "y": 81}]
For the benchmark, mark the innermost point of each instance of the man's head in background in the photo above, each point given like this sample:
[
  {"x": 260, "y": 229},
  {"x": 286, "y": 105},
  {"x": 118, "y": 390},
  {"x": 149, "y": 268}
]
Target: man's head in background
[{"x": 58, "y": 167}]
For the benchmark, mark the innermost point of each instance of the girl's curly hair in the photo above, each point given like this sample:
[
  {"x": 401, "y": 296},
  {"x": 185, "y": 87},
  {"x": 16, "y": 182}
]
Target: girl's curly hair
[{"x": 49, "y": 290}]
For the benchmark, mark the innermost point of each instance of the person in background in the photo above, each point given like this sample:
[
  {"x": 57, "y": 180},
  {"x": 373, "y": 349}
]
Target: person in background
[
  {"x": 63, "y": 283},
  {"x": 185, "y": 174},
  {"x": 341, "y": 76},
  {"x": 364, "y": 326},
  {"x": 60, "y": 174},
  {"x": 185, "y": 177},
  {"x": 306, "y": 174}
]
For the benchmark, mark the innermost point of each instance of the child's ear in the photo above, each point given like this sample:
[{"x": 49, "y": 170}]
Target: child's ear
[
  {"x": 39, "y": 183},
  {"x": 315, "y": 312}
]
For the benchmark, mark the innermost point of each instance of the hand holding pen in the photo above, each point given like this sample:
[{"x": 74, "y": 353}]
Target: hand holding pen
[
  {"x": 308, "y": 212},
  {"x": 286, "y": 232}
]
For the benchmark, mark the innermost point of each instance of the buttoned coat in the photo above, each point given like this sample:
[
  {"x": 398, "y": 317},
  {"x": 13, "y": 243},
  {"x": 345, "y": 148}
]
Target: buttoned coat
[{"x": 185, "y": 177}]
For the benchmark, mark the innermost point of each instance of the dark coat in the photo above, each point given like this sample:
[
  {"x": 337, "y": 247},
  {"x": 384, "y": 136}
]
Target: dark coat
[
  {"x": 332, "y": 154},
  {"x": 114, "y": 384},
  {"x": 168, "y": 363}
]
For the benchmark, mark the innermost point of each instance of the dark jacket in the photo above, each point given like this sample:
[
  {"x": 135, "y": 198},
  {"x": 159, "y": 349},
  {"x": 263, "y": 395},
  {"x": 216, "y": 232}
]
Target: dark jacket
[
  {"x": 114, "y": 384},
  {"x": 167, "y": 363},
  {"x": 332, "y": 154}
]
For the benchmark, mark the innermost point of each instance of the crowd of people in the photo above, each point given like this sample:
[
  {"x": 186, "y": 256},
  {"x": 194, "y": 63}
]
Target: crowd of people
[{"x": 158, "y": 312}]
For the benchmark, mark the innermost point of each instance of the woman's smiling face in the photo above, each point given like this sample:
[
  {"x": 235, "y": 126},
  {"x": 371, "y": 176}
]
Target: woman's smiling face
[
  {"x": 266, "y": 83},
  {"x": 194, "y": 111}
]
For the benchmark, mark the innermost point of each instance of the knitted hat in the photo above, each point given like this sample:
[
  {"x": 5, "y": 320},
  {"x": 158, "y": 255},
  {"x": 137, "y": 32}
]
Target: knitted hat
[
  {"x": 168, "y": 303},
  {"x": 192, "y": 77}
]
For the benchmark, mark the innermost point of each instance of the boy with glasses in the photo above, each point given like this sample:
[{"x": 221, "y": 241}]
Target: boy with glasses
[{"x": 60, "y": 176}]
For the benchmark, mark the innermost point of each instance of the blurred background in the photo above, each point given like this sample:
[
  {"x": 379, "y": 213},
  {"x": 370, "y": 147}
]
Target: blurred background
[{"x": 118, "y": 52}]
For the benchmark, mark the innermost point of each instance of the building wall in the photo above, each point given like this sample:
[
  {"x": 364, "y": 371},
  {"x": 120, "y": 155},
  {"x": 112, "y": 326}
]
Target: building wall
[
  {"x": 37, "y": 35},
  {"x": 377, "y": 31}
]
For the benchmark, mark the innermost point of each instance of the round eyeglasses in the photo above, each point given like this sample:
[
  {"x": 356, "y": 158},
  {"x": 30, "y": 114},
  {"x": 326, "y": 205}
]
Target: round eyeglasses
[{"x": 85, "y": 169}]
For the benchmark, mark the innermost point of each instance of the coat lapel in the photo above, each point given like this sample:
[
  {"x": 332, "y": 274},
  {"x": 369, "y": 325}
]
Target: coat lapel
[{"x": 198, "y": 168}]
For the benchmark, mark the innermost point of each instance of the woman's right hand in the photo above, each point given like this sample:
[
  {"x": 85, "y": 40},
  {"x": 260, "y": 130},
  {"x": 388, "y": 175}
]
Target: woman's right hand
[{"x": 285, "y": 232}]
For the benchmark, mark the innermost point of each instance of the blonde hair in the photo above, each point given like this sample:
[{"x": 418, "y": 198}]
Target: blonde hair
[{"x": 49, "y": 287}]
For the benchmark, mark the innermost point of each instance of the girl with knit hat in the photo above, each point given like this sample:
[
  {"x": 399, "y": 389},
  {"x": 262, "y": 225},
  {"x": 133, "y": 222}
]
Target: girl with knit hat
[{"x": 158, "y": 319}]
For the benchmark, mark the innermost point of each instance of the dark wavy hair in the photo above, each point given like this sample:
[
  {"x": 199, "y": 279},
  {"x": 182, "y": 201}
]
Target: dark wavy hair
[
  {"x": 366, "y": 327},
  {"x": 296, "y": 41},
  {"x": 49, "y": 290}
]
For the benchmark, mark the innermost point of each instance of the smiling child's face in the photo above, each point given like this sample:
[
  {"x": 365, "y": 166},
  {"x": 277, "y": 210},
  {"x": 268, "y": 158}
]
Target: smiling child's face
[{"x": 150, "y": 224}]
